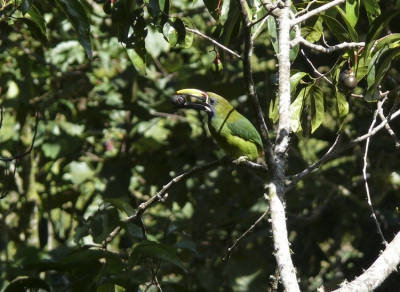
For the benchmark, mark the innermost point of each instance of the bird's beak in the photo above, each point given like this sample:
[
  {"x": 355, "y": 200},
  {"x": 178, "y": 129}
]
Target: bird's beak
[{"x": 199, "y": 94}]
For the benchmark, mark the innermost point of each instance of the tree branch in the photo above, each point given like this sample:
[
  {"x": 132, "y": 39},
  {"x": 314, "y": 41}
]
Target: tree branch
[
  {"x": 318, "y": 10},
  {"x": 214, "y": 42},
  {"x": 332, "y": 154},
  {"x": 385, "y": 264},
  {"x": 247, "y": 70}
]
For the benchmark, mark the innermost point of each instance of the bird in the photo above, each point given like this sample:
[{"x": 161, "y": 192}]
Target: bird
[{"x": 235, "y": 134}]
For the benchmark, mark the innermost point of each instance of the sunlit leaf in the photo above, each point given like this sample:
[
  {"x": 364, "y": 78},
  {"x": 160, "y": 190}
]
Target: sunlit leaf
[
  {"x": 342, "y": 107},
  {"x": 296, "y": 109},
  {"x": 353, "y": 11},
  {"x": 295, "y": 79},
  {"x": 372, "y": 8},
  {"x": 336, "y": 28},
  {"x": 377, "y": 27},
  {"x": 350, "y": 27},
  {"x": 317, "y": 108}
]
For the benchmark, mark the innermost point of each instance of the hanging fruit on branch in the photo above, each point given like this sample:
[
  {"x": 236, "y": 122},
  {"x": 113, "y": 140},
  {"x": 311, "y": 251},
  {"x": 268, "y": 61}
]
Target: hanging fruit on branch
[{"x": 216, "y": 66}]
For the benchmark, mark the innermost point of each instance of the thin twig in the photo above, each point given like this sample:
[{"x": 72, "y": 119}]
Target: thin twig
[
  {"x": 214, "y": 42},
  {"x": 244, "y": 234},
  {"x": 316, "y": 11},
  {"x": 364, "y": 171},
  {"x": 30, "y": 148},
  {"x": 160, "y": 196},
  {"x": 328, "y": 156},
  {"x": 388, "y": 128}
]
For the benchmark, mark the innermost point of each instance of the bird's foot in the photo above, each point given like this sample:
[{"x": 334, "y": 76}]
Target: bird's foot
[{"x": 240, "y": 160}]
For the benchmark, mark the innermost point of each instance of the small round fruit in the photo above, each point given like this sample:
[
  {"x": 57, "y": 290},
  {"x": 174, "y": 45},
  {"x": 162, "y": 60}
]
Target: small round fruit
[
  {"x": 350, "y": 81},
  {"x": 177, "y": 100},
  {"x": 216, "y": 66},
  {"x": 389, "y": 83},
  {"x": 343, "y": 75}
]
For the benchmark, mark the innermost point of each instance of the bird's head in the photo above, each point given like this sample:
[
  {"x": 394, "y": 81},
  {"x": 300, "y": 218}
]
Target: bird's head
[{"x": 209, "y": 102}]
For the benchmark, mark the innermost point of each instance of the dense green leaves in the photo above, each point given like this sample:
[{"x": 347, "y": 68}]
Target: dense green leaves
[{"x": 376, "y": 28}]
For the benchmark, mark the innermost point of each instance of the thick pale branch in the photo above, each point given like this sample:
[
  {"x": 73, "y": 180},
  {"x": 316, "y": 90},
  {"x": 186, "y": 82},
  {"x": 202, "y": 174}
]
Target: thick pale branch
[
  {"x": 322, "y": 49},
  {"x": 316, "y": 11},
  {"x": 385, "y": 264}
]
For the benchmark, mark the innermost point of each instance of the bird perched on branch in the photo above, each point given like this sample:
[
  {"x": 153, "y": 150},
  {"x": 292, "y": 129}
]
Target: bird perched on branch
[{"x": 232, "y": 131}]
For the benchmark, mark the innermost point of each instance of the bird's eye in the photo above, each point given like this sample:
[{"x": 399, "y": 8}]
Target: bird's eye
[{"x": 212, "y": 100}]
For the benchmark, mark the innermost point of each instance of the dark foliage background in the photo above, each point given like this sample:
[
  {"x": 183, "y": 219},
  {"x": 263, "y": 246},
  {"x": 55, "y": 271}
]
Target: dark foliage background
[{"x": 107, "y": 139}]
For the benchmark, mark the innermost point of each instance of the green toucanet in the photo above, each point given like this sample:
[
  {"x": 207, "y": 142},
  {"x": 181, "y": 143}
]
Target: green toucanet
[{"x": 232, "y": 131}]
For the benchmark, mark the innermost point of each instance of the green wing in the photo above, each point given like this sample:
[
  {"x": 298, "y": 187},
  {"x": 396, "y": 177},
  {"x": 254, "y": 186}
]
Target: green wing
[{"x": 241, "y": 127}]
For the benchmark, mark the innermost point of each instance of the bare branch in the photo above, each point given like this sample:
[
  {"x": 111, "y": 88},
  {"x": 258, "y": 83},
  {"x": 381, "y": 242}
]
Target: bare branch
[
  {"x": 160, "y": 196},
  {"x": 365, "y": 158},
  {"x": 330, "y": 155},
  {"x": 316, "y": 11},
  {"x": 342, "y": 46},
  {"x": 385, "y": 264},
  {"x": 244, "y": 234},
  {"x": 214, "y": 42}
]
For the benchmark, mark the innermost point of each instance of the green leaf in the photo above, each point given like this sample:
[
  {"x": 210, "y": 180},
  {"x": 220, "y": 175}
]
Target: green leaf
[
  {"x": 25, "y": 5},
  {"x": 258, "y": 12},
  {"x": 170, "y": 34},
  {"x": 342, "y": 107},
  {"x": 273, "y": 33},
  {"x": 311, "y": 34},
  {"x": 334, "y": 26},
  {"x": 26, "y": 283},
  {"x": 372, "y": 8},
  {"x": 78, "y": 172},
  {"x": 350, "y": 28},
  {"x": 231, "y": 26},
  {"x": 352, "y": 11},
  {"x": 121, "y": 205},
  {"x": 79, "y": 20},
  {"x": 137, "y": 55},
  {"x": 38, "y": 19},
  {"x": 273, "y": 112},
  {"x": 379, "y": 65},
  {"x": 296, "y": 109},
  {"x": 187, "y": 42},
  {"x": 317, "y": 108},
  {"x": 377, "y": 27},
  {"x": 174, "y": 31},
  {"x": 35, "y": 29},
  {"x": 153, "y": 7},
  {"x": 295, "y": 78},
  {"x": 187, "y": 244},
  {"x": 158, "y": 250},
  {"x": 51, "y": 150},
  {"x": 385, "y": 41}
]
